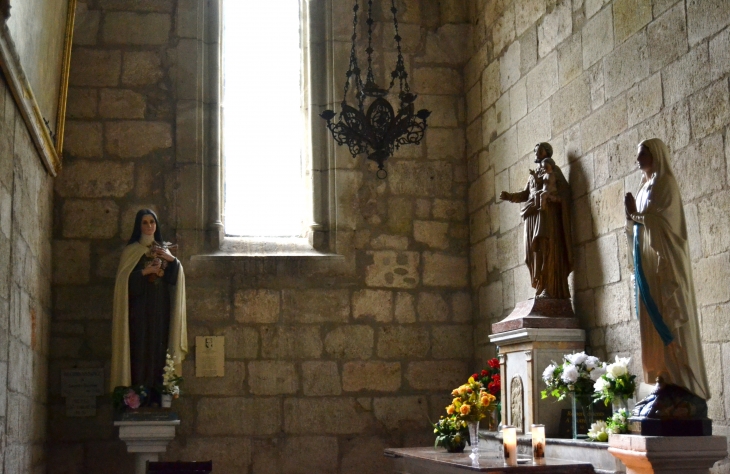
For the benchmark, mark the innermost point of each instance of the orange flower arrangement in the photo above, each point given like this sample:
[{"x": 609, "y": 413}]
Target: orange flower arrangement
[{"x": 471, "y": 401}]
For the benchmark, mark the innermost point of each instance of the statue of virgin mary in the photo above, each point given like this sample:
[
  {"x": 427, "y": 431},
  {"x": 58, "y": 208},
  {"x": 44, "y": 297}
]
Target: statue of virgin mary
[
  {"x": 671, "y": 350},
  {"x": 149, "y": 309}
]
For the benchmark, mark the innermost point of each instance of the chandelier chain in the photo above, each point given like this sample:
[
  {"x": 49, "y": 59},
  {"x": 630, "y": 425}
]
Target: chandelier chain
[
  {"x": 353, "y": 68},
  {"x": 370, "y": 79},
  {"x": 400, "y": 68}
]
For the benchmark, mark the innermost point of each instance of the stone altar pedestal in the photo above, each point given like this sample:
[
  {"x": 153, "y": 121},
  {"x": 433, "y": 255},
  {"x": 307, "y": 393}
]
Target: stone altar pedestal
[
  {"x": 536, "y": 333},
  {"x": 438, "y": 461},
  {"x": 558, "y": 449},
  {"x": 147, "y": 437},
  {"x": 668, "y": 454}
]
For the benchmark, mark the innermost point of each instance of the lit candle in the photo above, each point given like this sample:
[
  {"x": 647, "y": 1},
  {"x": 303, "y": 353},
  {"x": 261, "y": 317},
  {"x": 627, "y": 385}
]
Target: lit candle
[
  {"x": 509, "y": 440},
  {"x": 538, "y": 444}
]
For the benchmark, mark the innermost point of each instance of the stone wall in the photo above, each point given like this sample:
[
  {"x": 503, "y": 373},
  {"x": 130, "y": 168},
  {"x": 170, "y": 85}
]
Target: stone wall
[
  {"x": 26, "y": 192},
  {"x": 594, "y": 78},
  {"x": 328, "y": 359}
]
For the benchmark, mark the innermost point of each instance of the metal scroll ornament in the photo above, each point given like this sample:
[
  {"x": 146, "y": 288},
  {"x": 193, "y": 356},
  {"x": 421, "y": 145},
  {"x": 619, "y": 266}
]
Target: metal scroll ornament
[{"x": 380, "y": 130}]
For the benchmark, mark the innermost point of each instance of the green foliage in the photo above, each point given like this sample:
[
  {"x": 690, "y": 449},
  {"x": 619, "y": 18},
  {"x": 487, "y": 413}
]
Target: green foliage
[{"x": 452, "y": 433}]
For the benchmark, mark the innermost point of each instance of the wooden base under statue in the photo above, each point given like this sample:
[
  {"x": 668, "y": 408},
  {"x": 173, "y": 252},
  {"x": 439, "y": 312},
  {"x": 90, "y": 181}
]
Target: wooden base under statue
[
  {"x": 539, "y": 313},
  {"x": 654, "y": 427},
  {"x": 670, "y": 410}
]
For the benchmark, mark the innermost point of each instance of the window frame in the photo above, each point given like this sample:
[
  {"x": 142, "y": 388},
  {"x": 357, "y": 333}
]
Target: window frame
[{"x": 318, "y": 156}]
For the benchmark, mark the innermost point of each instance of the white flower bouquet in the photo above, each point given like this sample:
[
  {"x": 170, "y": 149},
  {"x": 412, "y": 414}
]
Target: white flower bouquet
[
  {"x": 616, "y": 382},
  {"x": 617, "y": 424},
  {"x": 598, "y": 431},
  {"x": 577, "y": 374},
  {"x": 170, "y": 380}
]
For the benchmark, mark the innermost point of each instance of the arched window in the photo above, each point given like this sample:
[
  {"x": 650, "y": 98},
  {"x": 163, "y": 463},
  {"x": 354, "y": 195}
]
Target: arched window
[
  {"x": 204, "y": 152},
  {"x": 263, "y": 119}
]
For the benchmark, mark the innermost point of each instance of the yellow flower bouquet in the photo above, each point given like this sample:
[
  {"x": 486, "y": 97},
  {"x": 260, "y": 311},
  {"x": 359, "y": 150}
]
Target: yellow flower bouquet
[{"x": 471, "y": 401}]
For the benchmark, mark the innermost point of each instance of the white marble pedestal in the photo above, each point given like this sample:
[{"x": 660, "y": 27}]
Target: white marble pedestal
[
  {"x": 523, "y": 355},
  {"x": 668, "y": 454},
  {"x": 146, "y": 439}
]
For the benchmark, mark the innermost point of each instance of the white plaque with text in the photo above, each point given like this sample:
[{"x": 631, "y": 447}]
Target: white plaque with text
[{"x": 82, "y": 382}]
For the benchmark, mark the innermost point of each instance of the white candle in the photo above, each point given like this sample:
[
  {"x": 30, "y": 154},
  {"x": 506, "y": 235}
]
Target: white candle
[
  {"x": 509, "y": 440},
  {"x": 538, "y": 444}
]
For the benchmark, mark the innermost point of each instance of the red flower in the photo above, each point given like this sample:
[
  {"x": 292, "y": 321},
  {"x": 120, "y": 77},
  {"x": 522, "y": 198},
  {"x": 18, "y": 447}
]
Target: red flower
[
  {"x": 474, "y": 376},
  {"x": 494, "y": 387},
  {"x": 484, "y": 373},
  {"x": 496, "y": 378},
  {"x": 493, "y": 363}
]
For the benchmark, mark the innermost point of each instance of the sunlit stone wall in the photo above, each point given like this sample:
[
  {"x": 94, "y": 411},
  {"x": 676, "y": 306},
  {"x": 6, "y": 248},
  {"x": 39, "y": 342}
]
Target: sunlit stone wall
[{"x": 595, "y": 78}]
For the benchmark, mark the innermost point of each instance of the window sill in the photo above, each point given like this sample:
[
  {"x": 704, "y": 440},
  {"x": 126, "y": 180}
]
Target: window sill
[{"x": 248, "y": 247}]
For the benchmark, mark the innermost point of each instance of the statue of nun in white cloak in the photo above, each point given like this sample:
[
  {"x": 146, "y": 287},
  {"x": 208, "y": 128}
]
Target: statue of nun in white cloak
[
  {"x": 148, "y": 319},
  {"x": 671, "y": 349}
]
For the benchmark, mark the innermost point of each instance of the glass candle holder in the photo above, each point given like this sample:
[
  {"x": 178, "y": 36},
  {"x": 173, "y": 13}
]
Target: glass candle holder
[
  {"x": 509, "y": 441},
  {"x": 538, "y": 444}
]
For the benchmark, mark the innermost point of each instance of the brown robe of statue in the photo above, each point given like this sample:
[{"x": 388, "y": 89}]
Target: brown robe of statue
[{"x": 548, "y": 247}]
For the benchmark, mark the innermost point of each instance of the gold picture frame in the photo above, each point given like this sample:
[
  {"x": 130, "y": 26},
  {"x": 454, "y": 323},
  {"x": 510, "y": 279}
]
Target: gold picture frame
[{"x": 49, "y": 148}]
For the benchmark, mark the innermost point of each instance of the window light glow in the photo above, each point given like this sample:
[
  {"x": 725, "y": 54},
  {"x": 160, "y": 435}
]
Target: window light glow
[{"x": 262, "y": 118}]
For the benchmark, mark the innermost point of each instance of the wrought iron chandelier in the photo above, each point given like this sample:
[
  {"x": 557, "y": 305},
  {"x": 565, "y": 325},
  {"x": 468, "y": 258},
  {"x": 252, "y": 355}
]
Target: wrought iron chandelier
[{"x": 379, "y": 131}]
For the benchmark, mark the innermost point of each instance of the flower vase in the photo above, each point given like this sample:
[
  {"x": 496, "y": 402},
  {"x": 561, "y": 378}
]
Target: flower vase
[
  {"x": 166, "y": 400},
  {"x": 474, "y": 438},
  {"x": 454, "y": 447},
  {"x": 620, "y": 403},
  {"x": 581, "y": 405}
]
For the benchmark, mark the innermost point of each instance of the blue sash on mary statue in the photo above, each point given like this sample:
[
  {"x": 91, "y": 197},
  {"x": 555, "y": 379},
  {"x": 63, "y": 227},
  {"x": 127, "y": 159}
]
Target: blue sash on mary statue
[{"x": 643, "y": 289}]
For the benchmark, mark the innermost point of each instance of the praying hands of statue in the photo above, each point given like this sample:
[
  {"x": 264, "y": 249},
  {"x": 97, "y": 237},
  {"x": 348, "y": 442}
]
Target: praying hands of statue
[{"x": 629, "y": 205}]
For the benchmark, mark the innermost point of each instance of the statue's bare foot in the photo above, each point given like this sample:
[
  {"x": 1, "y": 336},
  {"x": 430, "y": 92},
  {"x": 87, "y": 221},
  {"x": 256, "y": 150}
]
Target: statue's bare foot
[{"x": 543, "y": 295}]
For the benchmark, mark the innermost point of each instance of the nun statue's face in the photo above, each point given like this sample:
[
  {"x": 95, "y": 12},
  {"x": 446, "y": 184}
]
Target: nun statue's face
[{"x": 149, "y": 226}]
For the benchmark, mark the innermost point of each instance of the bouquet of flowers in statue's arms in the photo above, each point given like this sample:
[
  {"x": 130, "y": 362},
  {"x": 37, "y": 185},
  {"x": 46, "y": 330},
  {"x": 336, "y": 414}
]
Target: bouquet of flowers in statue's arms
[
  {"x": 616, "y": 382},
  {"x": 471, "y": 402},
  {"x": 170, "y": 380},
  {"x": 576, "y": 375},
  {"x": 124, "y": 398},
  {"x": 452, "y": 433},
  {"x": 490, "y": 378}
]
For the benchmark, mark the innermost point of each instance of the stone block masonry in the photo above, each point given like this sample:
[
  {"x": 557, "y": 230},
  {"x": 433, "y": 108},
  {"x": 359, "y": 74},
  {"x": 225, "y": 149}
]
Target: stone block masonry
[
  {"x": 340, "y": 358},
  {"x": 352, "y": 356},
  {"x": 607, "y": 75},
  {"x": 26, "y": 219}
]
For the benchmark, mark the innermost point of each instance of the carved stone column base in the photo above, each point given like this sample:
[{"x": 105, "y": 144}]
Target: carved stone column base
[
  {"x": 668, "y": 455},
  {"x": 523, "y": 355}
]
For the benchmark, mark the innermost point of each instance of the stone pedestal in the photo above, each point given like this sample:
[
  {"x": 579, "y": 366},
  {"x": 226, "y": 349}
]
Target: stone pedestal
[
  {"x": 523, "y": 355},
  {"x": 668, "y": 455},
  {"x": 146, "y": 439}
]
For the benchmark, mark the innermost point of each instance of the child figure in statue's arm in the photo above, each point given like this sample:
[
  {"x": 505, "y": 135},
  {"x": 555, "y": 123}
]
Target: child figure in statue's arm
[{"x": 549, "y": 191}]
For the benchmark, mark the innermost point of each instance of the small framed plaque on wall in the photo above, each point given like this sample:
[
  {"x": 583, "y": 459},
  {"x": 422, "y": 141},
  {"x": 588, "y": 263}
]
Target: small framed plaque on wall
[{"x": 210, "y": 356}]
